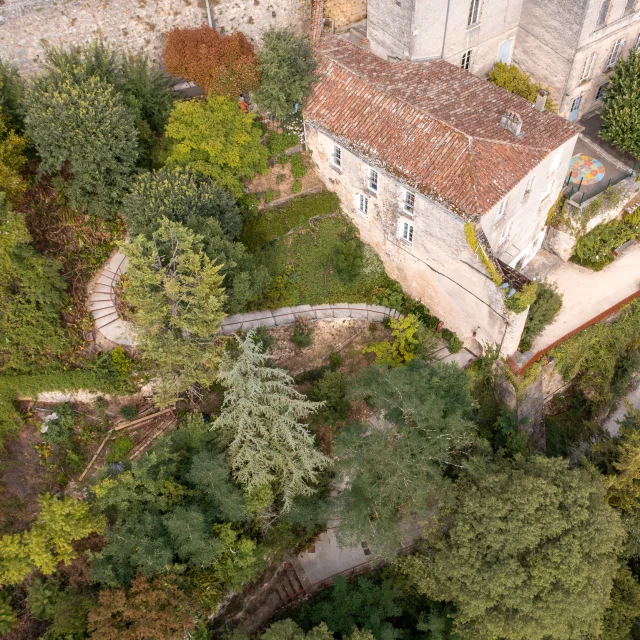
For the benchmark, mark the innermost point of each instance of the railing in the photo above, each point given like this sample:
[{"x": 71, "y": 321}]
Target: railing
[{"x": 597, "y": 190}]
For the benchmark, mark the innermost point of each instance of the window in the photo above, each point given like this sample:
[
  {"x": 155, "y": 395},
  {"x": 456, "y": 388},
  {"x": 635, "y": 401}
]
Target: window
[
  {"x": 474, "y": 12},
  {"x": 406, "y": 231},
  {"x": 504, "y": 234},
  {"x": 373, "y": 180},
  {"x": 466, "y": 60},
  {"x": 601, "y": 89},
  {"x": 409, "y": 203},
  {"x": 363, "y": 205},
  {"x": 631, "y": 5},
  {"x": 501, "y": 208},
  {"x": 504, "y": 52},
  {"x": 616, "y": 50},
  {"x": 529, "y": 186},
  {"x": 336, "y": 156},
  {"x": 604, "y": 12},
  {"x": 588, "y": 66}
]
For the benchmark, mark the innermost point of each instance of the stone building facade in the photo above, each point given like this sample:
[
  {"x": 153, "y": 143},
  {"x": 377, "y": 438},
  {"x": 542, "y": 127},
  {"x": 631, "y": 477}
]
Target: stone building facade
[
  {"x": 134, "y": 25},
  {"x": 417, "y": 150},
  {"x": 569, "y": 45}
]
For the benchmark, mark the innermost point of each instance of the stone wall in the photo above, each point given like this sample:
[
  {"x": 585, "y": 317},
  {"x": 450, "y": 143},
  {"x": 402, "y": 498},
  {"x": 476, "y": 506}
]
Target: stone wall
[
  {"x": 345, "y": 12},
  {"x": 133, "y": 25}
]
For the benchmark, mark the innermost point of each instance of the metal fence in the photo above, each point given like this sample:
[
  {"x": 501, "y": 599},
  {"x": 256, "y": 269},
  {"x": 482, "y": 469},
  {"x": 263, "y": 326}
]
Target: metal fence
[{"x": 590, "y": 191}]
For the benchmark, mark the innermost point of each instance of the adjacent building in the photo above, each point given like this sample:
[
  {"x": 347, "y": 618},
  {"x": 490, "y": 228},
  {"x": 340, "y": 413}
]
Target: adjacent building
[
  {"x": 569, "y": 46},
  {"x": 417, "y": 149}
]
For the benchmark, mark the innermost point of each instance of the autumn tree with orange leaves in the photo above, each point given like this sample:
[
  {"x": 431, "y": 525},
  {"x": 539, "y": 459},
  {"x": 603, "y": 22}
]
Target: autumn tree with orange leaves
[{"x": 221, "y": 65}]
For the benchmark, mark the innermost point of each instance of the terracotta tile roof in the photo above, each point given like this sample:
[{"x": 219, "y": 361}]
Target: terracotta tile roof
[{"x": 435, "y": 126}]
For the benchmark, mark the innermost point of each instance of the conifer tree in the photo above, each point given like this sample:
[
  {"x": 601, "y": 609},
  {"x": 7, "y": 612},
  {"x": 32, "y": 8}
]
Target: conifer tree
[
  {"x": 621, "y": 113},
  {"x": 260, "y": 426}
]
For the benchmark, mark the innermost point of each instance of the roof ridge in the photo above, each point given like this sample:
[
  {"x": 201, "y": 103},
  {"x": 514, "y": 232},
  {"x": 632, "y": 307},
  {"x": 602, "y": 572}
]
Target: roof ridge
[
  {"x": 388, "y": 93},
  {"x": 512, "y": 144}
]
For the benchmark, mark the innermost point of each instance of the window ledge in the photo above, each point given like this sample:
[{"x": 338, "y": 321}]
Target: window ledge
[
  {"x": 471, "y": 27},
  {"x": 371, "y": 192},
  {"x": 406, "y": 242},
  {"x": 335, "y": 168}
]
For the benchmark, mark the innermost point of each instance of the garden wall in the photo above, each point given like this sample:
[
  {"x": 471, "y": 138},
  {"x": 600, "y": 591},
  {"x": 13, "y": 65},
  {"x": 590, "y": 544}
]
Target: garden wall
[
  {"x": 134, "y": 25},
  {"x": 345, "y": 12},
  {"x": 562, "y": 242}
]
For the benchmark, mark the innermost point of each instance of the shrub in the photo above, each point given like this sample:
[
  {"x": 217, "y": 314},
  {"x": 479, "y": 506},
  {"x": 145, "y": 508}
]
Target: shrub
[
  {"x": 403, "y": 348},
  {"x": 296, "y": 187},
  {"x": 298, "y": 168},
  {"x": 546, "y": 306},
  {"x": 11, "y": 95},
  {"x": 332, "y": 390},
  {"x": 60, "y": 430},
  {"x": 454, "y": 343},
  {"x": 278, "y": 143},
  {"x": 348, "y": 259},
  {"x": 523, "y": 299},
  {"x": 335, "y": 360},
  {"x": 120, "y": 449},
  {"x": 514, "y": 80},
  {"x": 261, "y": 336},
  {"x": 129, "y": 412},
  {"x": 302, "y": 333},
  {"x": 595, "y": 249},
  {"x": 221, "y": 65},
  {"x": 8, "y": 617}
]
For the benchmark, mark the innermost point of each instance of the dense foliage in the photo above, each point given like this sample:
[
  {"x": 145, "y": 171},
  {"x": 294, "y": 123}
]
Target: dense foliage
[
  {"x": 12, "y": 160},
  {"x": 268, "y": 448},
  {"x": 530, "y": 553},
  {"x": 422, "y": 432},
  {"x": 620, "y": 118},
  {"x": 514, "y": 80},
  {"x": 176, "y": 292},
  {"x": 220, "y": 64},
  {"x": 11, "y": 95},
  {"x": 286, "y": 66},
  {"x": 183, "y": 196},
  {"x": 214, "y": 138},
  {"x": 544, "y": 309}
]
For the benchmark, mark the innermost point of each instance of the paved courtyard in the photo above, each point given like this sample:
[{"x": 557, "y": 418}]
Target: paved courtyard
[{"x": 586, "y": 293}]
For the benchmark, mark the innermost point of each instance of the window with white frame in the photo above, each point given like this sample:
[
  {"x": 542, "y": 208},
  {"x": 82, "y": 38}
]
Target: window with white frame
[
  {"x": 604, "y": 12},
  {"x": 363, "y": 204},
  {"x": 409, "y": 202},
  {"x": 616, "y": 50},
  {"x": 589, "y": 63},
  {"x": 630, "y": 7},
  {"x": 529, "y": 186},
  {"x": 406, "y": 231},
  {"x": 501, "y": 209},
  {"x": 373, "y": 180},
  {"x": 504, "y": 234},
  {"x": 601, "y": 89},
  {"x": 474, "y": 12},
  {"x": 466, "y": 60},
  {"x": 336, "y": 156}
]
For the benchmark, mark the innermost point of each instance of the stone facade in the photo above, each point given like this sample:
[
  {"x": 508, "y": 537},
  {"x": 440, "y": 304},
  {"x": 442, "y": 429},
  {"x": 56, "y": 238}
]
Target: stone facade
[
  {"x": 437, "y": 266},
  {"x": 552, "y": 40},
  {"x": 345, "y": 12},
  {"x": 133, "y": 25}
]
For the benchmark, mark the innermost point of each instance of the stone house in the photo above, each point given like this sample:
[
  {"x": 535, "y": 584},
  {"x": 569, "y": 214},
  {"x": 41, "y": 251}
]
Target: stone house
[
  {"x": 569, "y": 45},
  {"x": 416, "y": 150}
]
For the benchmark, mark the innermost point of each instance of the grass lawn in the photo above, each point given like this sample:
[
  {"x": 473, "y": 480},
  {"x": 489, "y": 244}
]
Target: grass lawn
[{"x": 302, "y": 263}]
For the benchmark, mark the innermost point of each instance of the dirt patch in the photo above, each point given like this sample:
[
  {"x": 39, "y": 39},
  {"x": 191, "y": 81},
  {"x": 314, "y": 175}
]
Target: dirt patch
[
  {"x": 345, "y": 336},
  {"x": 277, "y": 183}
]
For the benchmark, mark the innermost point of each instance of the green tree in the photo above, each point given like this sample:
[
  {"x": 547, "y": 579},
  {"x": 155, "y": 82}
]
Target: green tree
[
  {"x": 260, "y": 426},
  {"x": 394, "y": 470},
  {"x": 11, "y": 95},
  {"x": 289, "y": 630},
  {"x": 514, "y": 80},
  {"x": 32, "y": 296},
  {"x": 157, "y": 610},
  {"x": 193, "y": 200},
  {"x": 624, "y": 608},
  {"x": 8, "y": 617},
  {"x": 528, "y": 553},
  {"x": 12, "y": 160},
  {"x": 216, "y": 139},
  {"x": 84, "y": 128},
  {"x": 178, "y": 300},
  {"x": 287, "y": 64},
  {"x": 48, "y": 541},
  {"x": 620, "y": 117}
]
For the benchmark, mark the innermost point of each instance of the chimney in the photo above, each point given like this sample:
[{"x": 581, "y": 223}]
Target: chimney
[
  {"x": 511, "y": 121},
  {"x": 541, "y": 99}
]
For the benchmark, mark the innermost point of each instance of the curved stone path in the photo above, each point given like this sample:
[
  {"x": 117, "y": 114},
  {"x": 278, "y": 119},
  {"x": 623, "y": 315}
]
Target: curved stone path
[{"x": 109, "y": 325}]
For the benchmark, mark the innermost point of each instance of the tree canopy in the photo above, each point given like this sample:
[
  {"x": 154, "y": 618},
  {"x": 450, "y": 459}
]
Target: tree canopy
[
  {"x": 12, "y": 160},
  {"x": 529, "y": 552},
  {"x": 260, "y": 427},
  {"x": 176, "y": 292},
  {"x": 220, "y": 64},
  {"x": 620, "y": 117},
  {"x": 11, "y": 95},
  {"x": 216, "y": 139},
  {"x": 394, "y": 465},
  {"x": 517, "y": 81},
  {"x": 286, "y": 66}
]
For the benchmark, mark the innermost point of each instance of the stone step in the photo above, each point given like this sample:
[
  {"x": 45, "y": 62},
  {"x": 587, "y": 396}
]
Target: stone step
[
  {"x": 105, "y": 280},
  {"x": 293, "y": 579},
  {"x": 105, "y": 320},
  {"x": 283, "y": 594},
  {"x": 99, "y": 297},
  {"x": 98, "y": 305},
  {"x": 105, "y": 311},
  {"x": 103, "y": 288}
]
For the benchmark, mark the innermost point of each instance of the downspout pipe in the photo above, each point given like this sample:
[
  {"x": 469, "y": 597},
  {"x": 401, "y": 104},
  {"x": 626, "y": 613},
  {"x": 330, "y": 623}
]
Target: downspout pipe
[
  {"x": 209, "y": 20},
  {"x": 446, "y": 25}
]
